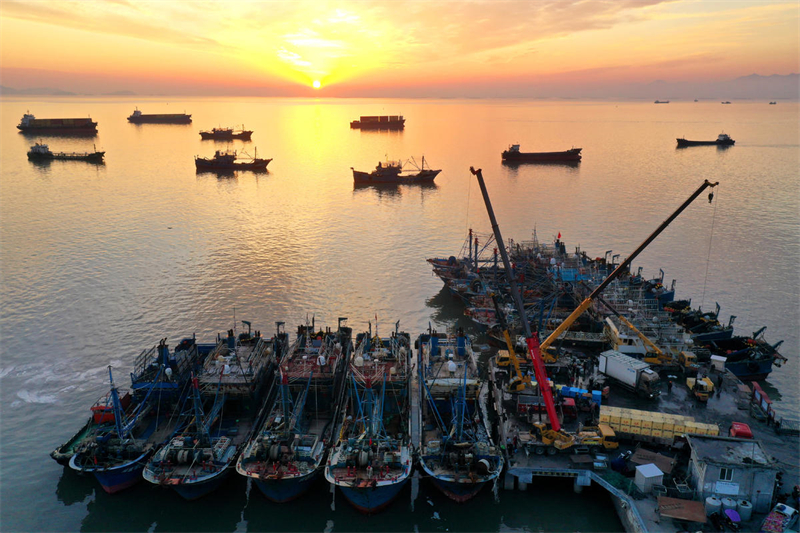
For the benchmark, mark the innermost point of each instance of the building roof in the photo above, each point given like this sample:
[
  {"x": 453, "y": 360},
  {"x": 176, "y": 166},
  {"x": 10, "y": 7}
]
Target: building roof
[
  {"x": 728, "y": 450},
  {"x": 649, "y": 470}
]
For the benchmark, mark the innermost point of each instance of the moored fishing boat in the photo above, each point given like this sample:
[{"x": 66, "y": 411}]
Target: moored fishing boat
[
  {"x": 513, "y": 155},
  {"x": 226, "y": 134},
  {"x": 371, "y": 460},
  {"x": 394, "y": 173},
  {"x": 748, "y": 358},
  {"x": 116, "y": 453},
  {"x": 102, "y": 417},
  {"x": 456, "y": 449},
  {"x": 227, "y": 160},
  {"x": 41, "y": 152},
  {"x": 224, "y": 406},
  {"x": 287, "y": 453}
]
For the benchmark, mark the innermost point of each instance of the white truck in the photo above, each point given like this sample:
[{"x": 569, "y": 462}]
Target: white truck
[{"x": 631, "y": 373}]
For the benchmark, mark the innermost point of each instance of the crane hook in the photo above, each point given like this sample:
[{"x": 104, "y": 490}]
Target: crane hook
[{"x": 710, "y": 196}]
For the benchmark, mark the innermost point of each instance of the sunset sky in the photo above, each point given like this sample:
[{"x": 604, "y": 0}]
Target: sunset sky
[{"x": 391, "y": 48}]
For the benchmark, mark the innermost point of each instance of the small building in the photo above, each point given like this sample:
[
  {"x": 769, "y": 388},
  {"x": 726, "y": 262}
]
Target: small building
[
  {"x": 734, "y": 468},
  {"x": 647, "y": 476}
]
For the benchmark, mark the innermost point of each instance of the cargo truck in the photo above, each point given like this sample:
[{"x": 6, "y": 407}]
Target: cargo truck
[
  {"x": 631, "y": 373},
  {"x": 660, "y": 429}
]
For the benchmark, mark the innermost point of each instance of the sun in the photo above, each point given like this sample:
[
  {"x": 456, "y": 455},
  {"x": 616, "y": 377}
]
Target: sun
[{"x": 316, "y": 84}]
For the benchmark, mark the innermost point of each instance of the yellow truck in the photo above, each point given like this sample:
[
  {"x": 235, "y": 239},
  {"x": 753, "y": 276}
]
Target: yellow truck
[{"x": 547, "y": 441}]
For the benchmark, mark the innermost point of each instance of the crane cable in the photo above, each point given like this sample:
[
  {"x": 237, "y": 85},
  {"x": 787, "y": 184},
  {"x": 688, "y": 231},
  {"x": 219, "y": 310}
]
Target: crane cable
[
  {"x": 711, "y": 197},
  {"x": 469, "y": 190}
]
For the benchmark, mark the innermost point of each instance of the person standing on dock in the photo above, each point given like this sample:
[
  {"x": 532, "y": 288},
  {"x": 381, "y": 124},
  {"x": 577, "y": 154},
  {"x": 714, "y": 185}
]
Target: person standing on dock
[{"x": 669, "y": 387}]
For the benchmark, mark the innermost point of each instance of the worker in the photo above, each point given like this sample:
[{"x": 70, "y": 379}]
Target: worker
[
  {"x": 322, "y": 362},
  {"x": 669, "y": 386},
  {"x": 451, "y": 366},
  {"x": 720, "y": 380}
]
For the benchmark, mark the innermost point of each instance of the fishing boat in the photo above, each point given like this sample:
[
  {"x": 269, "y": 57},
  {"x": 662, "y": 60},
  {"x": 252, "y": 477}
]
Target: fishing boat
[
  {"x": 116, "y": 453},
  {"x": 41, "y": 152},
  {"x": 61, "y": 126},
  {"x": 101, "y": 418},
  {"x": 456, "y": 449},
  {"x": 394, "y": 173},
  {"x": 722, "y": 140},
  {"x": 226, "y": 134},
  {"x": 213, "y": 427},
  {"x": 371, "y": 460},
  {"x": 383, "y": 122},
  {"x": 702, "y": 326},
  {"x": 137, "y": 117},
  {"x": 773, "y": 103},
  {"x": 227, "y": 160},
  {"x": 663, "y": 101},
  {"x": 748, "y": 358},
  {"x": 288, "y": 451},
  {"x": 513, "y": 155}
]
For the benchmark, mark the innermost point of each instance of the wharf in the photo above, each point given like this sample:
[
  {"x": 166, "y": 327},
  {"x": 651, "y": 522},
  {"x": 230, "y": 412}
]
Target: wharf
[{"x": 639, "y": 512}]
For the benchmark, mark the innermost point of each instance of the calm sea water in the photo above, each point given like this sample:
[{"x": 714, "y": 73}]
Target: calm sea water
[{"x": 99, "y": 262}]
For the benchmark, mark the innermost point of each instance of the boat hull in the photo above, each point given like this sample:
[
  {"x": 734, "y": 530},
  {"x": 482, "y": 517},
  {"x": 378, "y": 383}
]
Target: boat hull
[
  {"x": 370, "y": 500},
  {"x": 88, "y": 130},
  {"x": 424, "y": 176},
  {"x": 116, "y": 478},
  {"x": 96, "y": 157},
  {"x": 161, "y": 119},
  {"x": 194, "y": 489},
  {"x": 243, "y": 136},
  {"x": 260, "y": 165},
  {"x": 750, "y": 370},
  {"x": 286, "y": 489},
  {"x": 459, "y": 492}
]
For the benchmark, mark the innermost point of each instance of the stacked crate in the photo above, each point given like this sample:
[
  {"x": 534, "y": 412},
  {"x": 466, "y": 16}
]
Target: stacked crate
[{"x": 651, "y": 424}]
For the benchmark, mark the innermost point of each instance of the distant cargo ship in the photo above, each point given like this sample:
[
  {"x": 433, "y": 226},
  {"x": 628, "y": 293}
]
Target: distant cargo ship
[
  {"x": 383, "y": 122},
  {"x": 722, "y": 140},
  {"x": 178, "y": 118},
  {"x": 31, "y": 124},
  {"x": 663, "y": 101},
  {"x": 513, "y": 155}
]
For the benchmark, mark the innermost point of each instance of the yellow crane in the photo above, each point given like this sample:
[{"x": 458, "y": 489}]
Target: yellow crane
[{"x": 623, "y": 267}]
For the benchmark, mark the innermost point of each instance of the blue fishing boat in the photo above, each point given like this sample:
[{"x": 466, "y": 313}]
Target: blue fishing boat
[
  {"x": 748, "y": 358},
  {"x": 288, "y": 451},
  {"x": 456, "y": 449},
  {"x": 702, "y": 326},
  {"x": 371, "y": 460},
  {"x": 116, "y": 453},
  {"x": 225, "y": 401}
]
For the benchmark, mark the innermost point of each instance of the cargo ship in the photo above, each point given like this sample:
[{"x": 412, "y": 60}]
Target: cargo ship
[
  {"x": 382, "y": 122},
  {"x": 66, "y": 126},
  {"x": 513, "y": 155},
  {"x": 722, "y": 140},
  {"x": 137, "y": 117},
  {"x": 41, "y": 152}
]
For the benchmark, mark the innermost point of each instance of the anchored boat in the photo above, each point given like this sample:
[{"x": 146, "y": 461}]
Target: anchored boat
[
  {"x": 722, "y": 140},
  {"x": 383, "y": 122},
  {"x": 513, "y": 155},
  {"x": 61, "y": 126},
  {"x": 394, "y": 173},
  {"x": 137, "y": 117},
  {"x": 218, "y": 421},
  {"x": 288, "y": 451},
  {"x": 227, "y": 160},
  {"x": 41, "y": 152},
  {"x": 371, "y": 460},
  {"x": 226, "y": 134},
  {"x": 456, "y": 449}
]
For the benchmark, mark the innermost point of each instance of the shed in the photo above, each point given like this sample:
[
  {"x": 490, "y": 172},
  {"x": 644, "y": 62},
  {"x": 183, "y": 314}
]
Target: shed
[{"x": 647, "y": 476}]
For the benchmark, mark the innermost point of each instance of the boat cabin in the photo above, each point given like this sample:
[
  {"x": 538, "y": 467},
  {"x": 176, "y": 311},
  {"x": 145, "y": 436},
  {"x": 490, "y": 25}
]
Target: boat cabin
[{"x": 723, "y": 137}]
